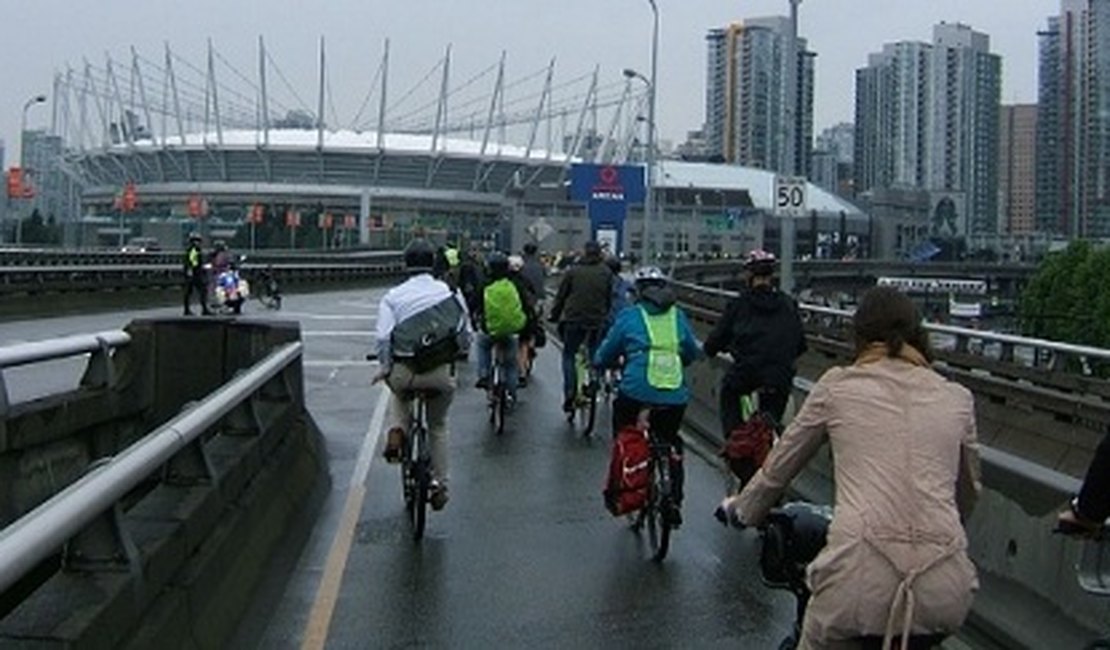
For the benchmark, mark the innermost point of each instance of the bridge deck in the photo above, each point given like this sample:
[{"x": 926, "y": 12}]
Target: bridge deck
[{"x": 524, "y": 554}]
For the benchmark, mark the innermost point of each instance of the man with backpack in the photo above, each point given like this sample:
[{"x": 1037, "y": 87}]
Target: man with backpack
[
  {"x": 421, "y": 327},
  {"x": 504, "y": 312}
]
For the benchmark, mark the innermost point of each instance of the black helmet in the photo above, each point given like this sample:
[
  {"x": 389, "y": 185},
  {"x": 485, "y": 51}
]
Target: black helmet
[
  {"x": 220, "y": 245},
  {"x": 194, "y": 237},
  {"x": 420, "y": 255},
  {"x": 498, "y": 264},
  {"x": 530, "y": 249},
  {"x": 760, "y": 262},
  {"x": 614, "y": 264}
]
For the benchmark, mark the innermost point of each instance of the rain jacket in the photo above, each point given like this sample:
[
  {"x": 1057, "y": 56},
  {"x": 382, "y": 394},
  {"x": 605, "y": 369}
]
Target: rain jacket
[
  {"x": 628, "y": 337},
  {"x": 762, "y": 331},
  {"x": 906, "y": 469}
]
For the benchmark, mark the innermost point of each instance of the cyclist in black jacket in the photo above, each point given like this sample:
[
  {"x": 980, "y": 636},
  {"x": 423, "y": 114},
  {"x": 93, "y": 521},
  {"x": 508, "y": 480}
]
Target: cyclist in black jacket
[{"x": 762, "y": 331}]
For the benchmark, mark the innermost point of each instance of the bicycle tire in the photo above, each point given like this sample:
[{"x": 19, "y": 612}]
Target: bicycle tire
[
  {"x": 422, "y": 486},
  {"x": 500, "y": 408},
  {"x": 660, "y": 505}
]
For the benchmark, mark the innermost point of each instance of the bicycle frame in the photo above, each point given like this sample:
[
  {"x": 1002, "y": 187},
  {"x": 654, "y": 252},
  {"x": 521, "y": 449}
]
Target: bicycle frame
[
  {"x": 416, "y": 470},
  {"x": 656, "y": 513}
]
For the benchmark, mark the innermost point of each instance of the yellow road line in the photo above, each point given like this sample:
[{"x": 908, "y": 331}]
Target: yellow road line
[{"x": 319, "y": 620}]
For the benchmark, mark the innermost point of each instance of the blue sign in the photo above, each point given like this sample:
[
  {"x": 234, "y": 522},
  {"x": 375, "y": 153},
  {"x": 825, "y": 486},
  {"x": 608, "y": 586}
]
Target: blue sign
[{"x": 607, "y": 190}]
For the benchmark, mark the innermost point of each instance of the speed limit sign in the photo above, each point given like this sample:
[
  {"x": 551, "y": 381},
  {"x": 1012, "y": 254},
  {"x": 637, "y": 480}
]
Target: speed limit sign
[{"x": 790, "y": 196}]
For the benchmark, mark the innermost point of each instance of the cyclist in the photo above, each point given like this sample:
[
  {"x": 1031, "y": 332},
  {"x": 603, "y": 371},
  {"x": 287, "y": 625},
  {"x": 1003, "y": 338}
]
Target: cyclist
[
  {"x": 621, "y": 288},
  {"x": 581, "y": 309},
  {"x": 762, "y": 331},
  {"x": 408, "y": 305},
  {"x": 656, "y": 342},
  {"x": 1090, "y": 509},
  {"x": 502, "y": 316},
  {"x": 535, "y": 273},
  {"x": 527, "y": 338},
  {"x": 906, "y": 471}
]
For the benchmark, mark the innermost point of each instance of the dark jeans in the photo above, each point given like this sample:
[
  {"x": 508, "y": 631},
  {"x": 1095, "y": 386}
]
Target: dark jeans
[
  {"x": 1094, "y": 496},
  {"x": 574, "y": 335},
  {"x": 664, "y": 423},
  {"x": 771, "y": 400}
]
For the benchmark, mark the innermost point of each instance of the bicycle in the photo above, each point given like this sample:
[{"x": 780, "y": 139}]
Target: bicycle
[
  {"x": 416, "y": 460},
  {"x": 588, "y": 383},
  {"x": 659, "y": 513},
  {"x": 498, "y": 391}
]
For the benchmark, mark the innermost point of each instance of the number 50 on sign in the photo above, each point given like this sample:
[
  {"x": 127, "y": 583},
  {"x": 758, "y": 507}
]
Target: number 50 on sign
[{"x": 790, "y": 196}]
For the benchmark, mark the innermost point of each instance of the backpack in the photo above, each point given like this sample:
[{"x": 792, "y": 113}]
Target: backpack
[
  {"x": 748, "y": 445},
  {"x": 626, "y": 488},
  {"x": 504, "y": 312},
  {"x": 430, "y": 338}
]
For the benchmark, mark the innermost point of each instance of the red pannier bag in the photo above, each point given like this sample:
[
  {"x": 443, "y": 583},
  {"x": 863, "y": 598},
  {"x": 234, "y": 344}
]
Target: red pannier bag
[
  {"x": 626, "y": 489},
  {"x": 748, "y": 445}
]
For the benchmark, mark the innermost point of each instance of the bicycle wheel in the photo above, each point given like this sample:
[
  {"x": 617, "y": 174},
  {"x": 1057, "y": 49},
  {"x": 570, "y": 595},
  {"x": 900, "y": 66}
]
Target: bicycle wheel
[
  {"x": 660, "y": 534},
  {"x": 499, "y": 406},
  {"x": 590, "y": 408},
  {"x": 421, "y": 485}
]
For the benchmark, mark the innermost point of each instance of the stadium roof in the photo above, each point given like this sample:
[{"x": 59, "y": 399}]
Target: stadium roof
[{"x": 760, "y": 184}]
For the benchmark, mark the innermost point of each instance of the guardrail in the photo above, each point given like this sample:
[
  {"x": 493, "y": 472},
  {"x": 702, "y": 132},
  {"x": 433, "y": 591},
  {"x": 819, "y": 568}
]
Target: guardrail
[
  {"x": 38, "y": 534},
  {"x": 99, "y": 345},
  {"x": 39, "y": 257}
]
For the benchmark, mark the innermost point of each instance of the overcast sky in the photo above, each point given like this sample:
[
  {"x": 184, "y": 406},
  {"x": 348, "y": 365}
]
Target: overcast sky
[{"x": 42, "y": 36}]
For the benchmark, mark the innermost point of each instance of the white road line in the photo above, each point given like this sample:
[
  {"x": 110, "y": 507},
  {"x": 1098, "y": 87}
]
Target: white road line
[
  {"x": 336, "y": 333},
  {"x": 337, "y": 363},
  {"x": 319, "y": 620},
  {"x": 308, "y": 316}
]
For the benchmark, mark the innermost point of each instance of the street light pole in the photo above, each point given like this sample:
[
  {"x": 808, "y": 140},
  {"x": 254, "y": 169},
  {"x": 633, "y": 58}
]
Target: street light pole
[
  {"x": 37, "y": 99},
  {"x": 649, "y": 177}
]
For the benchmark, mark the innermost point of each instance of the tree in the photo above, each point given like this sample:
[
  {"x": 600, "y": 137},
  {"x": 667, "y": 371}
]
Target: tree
[{"x": 1068, "y": 298}]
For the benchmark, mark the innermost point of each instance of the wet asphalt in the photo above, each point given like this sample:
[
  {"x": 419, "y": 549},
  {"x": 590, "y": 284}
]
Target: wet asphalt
[{"x": 524, "y": 555}]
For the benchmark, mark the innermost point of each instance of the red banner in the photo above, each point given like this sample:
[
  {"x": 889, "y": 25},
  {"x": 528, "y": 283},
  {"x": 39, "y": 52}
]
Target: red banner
[
  {"x": 197, "y": 206},
  {"x": 292, "y": 219},
  {"x": 256, "y": 214},
  {"x": 15, "y": 183},
  {"x": 130, "y": 198},
  {"x": 349, "y": 221},
  {"x": 324, "y": 221}
]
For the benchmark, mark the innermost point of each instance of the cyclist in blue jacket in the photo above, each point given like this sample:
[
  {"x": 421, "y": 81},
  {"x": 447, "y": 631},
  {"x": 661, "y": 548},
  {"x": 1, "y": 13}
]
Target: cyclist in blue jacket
[{"x": 656, "y": 341}]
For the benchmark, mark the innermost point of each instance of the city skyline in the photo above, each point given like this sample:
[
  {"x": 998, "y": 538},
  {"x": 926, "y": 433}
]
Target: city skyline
[{"x": 61, "y": 35}]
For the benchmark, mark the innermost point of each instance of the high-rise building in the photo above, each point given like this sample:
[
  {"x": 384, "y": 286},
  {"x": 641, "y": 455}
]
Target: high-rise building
[
  {"x": 1073, "y": 152},
  {"x": 55, "y": 193},
  {"x": 749, "y": 118},
  {"x": 831, "y": 160},
  {"x": 1017, "y": 171},
  {"x": 927, "y": 119}
]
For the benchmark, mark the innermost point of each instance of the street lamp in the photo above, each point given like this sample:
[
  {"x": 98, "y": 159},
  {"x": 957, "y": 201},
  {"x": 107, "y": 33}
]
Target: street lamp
[
  {"x": 37, "y": 99},
  {"x": 649, "y": 199}
]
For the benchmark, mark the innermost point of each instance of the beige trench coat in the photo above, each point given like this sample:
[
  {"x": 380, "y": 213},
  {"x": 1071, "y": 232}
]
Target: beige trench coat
[{"x": 906, "y": 465}]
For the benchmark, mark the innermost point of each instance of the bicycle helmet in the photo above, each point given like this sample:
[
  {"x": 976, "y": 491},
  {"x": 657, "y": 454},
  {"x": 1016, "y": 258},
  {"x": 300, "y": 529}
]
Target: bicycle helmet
[
  {"x": 649, "y": 275},
  {"x": 497, "y": 264},
  {"x": 194, "y": 237},
  {"x": 420, "y": 255},
  {"x": 760, "y": 262},
  {"x": 516, "y": 263}
]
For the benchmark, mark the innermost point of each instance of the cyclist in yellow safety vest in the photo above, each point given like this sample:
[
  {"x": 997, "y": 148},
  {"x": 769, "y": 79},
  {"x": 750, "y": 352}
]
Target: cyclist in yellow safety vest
[
  {"x": 655, "y": 340},
  {"x": 195, "y": 277}
]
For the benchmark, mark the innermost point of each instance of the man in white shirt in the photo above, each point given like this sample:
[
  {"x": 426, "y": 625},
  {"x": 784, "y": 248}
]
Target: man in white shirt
[{"x": 418, "y": 294}]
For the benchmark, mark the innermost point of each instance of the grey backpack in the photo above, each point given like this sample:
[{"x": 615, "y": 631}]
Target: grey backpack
[{"x": 429, "y": 339}]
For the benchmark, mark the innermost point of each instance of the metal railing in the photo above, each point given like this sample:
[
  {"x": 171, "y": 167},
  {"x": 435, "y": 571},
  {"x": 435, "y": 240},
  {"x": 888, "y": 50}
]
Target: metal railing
[
  {"x": 99, "y": 345},
  {"x": 41, "y": 532}
]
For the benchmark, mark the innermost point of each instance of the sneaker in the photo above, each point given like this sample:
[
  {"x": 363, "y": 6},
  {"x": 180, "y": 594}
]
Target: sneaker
[
  {"x": 482, "y": 383},
  {"x": 395, "y": 442},
  {"x": 438, "y": 497},
  {"x": 522, "y": 382}
]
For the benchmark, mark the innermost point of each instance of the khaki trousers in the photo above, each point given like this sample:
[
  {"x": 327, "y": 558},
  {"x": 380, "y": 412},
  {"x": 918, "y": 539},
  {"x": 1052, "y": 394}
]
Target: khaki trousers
[{"x": 401, "y": 380}]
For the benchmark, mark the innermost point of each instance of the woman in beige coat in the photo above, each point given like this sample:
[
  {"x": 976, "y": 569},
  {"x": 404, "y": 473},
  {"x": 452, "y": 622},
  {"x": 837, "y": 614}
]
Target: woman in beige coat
[{"x": 906, "y": 467}]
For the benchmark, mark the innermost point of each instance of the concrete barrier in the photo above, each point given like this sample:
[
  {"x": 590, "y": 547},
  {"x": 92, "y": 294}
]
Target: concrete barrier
[{"x": 203, "y": 529}]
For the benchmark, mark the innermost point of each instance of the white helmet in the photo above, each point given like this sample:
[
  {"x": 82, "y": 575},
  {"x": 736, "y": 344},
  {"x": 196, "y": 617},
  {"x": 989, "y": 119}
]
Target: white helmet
[
  {"x": 649, "y": 274},
  {"x": 516, "y": 262}
]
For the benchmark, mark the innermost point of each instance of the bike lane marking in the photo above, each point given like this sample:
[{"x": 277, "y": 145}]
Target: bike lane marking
[{"x": 323, "y": 606}]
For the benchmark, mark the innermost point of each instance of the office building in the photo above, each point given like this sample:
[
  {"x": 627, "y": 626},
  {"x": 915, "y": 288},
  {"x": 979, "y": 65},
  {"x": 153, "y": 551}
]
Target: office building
[
  {"x": 927, "y": 119},
  {"x": 749, "y": 120},
  {"x": 1017, "y": 171},
  {"x": 1073, "y": 155}
]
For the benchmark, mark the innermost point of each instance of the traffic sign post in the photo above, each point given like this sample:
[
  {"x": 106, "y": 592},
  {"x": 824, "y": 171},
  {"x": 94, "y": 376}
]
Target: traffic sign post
[{"x": 790, "y": 203}]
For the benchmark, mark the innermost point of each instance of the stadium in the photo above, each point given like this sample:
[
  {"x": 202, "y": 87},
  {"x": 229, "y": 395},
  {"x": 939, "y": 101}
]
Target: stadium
[{"x": 486, "y": 161}]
